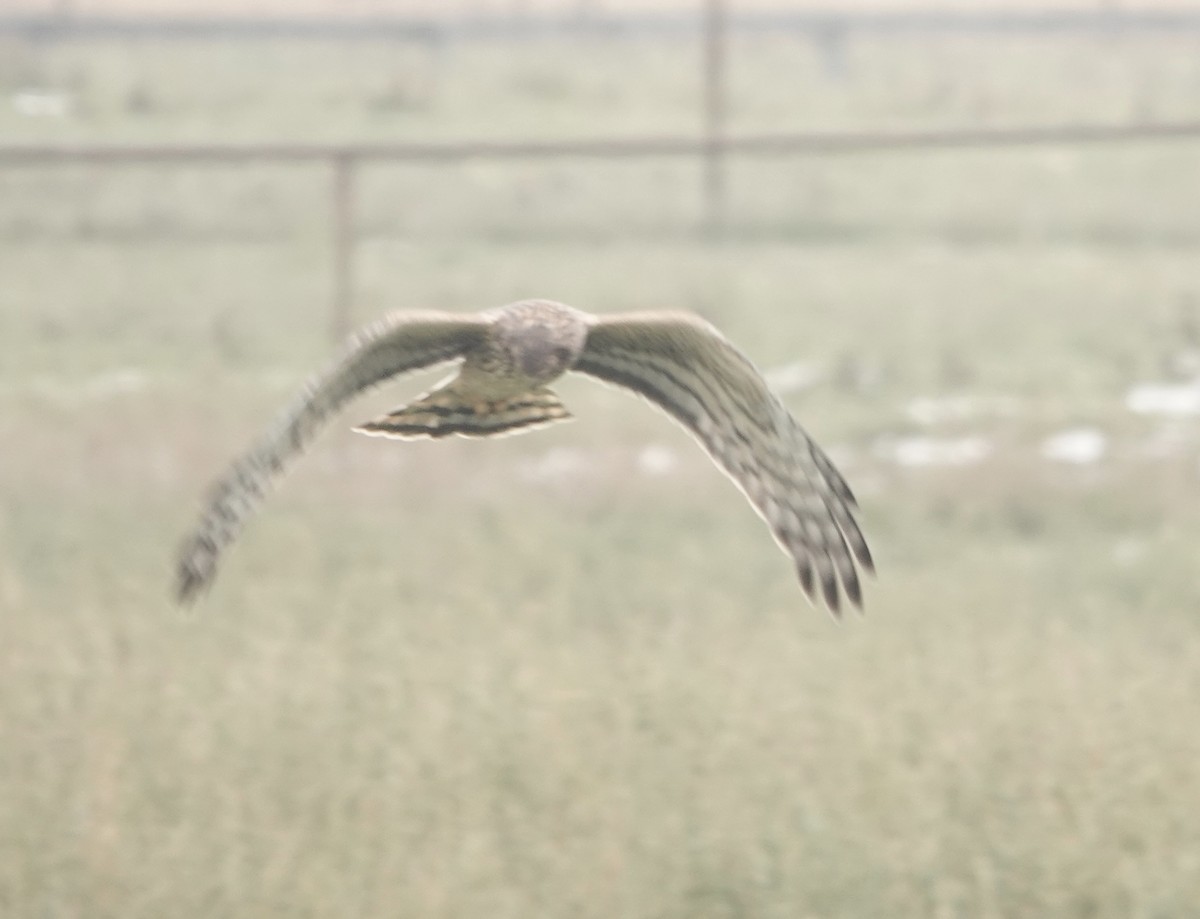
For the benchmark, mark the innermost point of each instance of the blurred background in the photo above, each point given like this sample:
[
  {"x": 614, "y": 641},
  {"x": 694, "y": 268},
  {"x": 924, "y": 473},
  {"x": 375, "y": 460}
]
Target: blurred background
[{"x": 570, "y": 674}]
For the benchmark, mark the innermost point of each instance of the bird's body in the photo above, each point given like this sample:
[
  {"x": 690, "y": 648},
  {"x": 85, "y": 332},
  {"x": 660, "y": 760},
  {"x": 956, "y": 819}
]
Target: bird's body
[
  {"x": 500, "y": 386},
  {"x": 508, "y": 357}
]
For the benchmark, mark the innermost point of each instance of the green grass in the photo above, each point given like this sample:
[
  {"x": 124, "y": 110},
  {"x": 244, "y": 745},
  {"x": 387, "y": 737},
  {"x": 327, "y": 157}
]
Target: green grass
[{"x": 431, "y": 683}]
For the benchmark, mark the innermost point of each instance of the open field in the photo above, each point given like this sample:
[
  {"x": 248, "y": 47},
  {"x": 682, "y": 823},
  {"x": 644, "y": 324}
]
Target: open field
[{"x": 540, "y": 677}]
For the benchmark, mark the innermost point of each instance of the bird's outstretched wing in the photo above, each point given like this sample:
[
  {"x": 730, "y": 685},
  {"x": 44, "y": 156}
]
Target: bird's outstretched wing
[
  {"x": 686, "y": 367},
  {"x": 395, "y": 345}
]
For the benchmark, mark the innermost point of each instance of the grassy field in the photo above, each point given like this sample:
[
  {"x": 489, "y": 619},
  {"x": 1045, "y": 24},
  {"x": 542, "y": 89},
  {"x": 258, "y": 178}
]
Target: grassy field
[{"x": 537, "y": 677}]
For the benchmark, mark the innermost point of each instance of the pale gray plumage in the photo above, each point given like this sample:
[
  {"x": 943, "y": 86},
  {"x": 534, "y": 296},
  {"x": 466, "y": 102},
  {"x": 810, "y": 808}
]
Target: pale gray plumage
[{"x": 675, "y": 360}]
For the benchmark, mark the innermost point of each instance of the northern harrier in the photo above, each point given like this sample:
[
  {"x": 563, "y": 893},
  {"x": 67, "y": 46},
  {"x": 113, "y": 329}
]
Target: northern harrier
[{"x": 508, "y": 356}]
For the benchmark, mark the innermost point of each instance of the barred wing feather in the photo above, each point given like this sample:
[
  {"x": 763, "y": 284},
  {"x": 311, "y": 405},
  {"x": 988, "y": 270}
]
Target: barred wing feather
[
  {"x": 398, "y": 344},
  {"x": 687, "y": 368}
]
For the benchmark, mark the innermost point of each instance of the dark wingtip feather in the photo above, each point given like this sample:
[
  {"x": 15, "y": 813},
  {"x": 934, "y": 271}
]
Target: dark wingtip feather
[
  {"x": 197, "y": 563},
  {"x": 188, "y": 586},
  {"x": 829, "y": 588},
  {"x": 853, "y": 590},
  {"x": 805, "y": 572},
  {"x": 862, "y": 552}
]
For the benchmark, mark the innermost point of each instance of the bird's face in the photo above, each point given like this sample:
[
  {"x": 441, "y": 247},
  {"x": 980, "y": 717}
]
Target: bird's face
[
  {"x": 541, "y": 340},
  {"x": 545, "y": 359}
]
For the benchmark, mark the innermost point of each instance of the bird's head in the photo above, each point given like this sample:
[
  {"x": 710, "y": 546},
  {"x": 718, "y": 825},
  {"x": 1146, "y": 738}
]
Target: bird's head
[{"x": 543, "y": 339}]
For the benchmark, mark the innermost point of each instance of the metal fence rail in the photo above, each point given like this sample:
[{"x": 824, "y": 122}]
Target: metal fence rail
[
  {"x": 343, "y": 159},
  {"x": 787, "y": 144}
]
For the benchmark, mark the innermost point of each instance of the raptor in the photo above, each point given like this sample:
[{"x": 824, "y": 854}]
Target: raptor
[{"x": 507, "y": 358}]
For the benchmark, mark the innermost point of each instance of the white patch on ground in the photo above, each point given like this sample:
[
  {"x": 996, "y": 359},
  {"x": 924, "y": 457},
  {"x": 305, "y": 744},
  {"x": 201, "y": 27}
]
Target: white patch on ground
[
  {"x": 42, "y": 103},
  {"x": 1167, "y": 399},
  {"x": 1081, "y": 446},
  {"x": 794, "y": 377},
  {"x": 656, "y": 460},
  {"x": 935, "y": 451}
]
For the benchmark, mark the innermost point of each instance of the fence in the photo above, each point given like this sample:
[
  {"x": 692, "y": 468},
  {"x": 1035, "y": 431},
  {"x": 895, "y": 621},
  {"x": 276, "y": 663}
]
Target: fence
[
  {"x": 713, "y": 145},
  {"x": 343, "y": 161}
]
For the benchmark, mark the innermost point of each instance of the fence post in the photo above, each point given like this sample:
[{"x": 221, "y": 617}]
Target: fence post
[
  {"x": 343, "y": 245},
  {"x": 714, "y": 112}
]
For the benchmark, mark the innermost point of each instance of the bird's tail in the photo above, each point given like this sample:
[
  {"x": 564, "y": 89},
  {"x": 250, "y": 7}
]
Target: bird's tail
[{"x": 445, "y": 411}]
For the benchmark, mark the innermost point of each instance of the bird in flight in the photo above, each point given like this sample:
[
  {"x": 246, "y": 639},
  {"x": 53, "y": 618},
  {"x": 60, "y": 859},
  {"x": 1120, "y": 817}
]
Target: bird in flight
[{"x": 507, "y": 357}]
